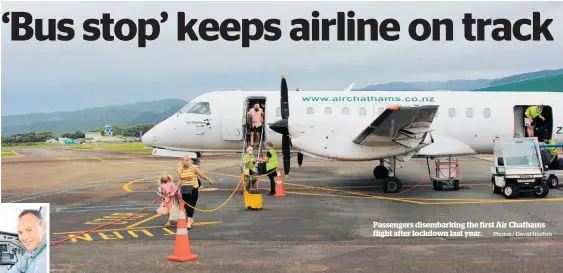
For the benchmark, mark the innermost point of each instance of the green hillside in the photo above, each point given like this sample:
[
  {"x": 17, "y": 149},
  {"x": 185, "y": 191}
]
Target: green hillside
[
  {"x": 89, "y": 119},
  {"x": 457, "y": 85}
]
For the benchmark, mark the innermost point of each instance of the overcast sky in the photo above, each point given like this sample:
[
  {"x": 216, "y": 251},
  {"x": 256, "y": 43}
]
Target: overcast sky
[
  {"x": 60, "y": 76},
  {"x": 9, "y": 215}
]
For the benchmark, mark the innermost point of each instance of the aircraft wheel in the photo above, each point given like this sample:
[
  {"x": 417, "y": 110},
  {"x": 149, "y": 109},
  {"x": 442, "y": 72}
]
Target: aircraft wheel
[
  {"x": 392, "y": 185},
  {"x": 381, "y": 172}
]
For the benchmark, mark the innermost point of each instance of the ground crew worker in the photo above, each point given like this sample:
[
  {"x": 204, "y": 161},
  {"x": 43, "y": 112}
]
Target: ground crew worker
[
  {"x": 249, "y": 168},
  {"x": 554, "y": 159},
  {"x": 532, "y": 114},
  {"x": 271, "y": 160}
]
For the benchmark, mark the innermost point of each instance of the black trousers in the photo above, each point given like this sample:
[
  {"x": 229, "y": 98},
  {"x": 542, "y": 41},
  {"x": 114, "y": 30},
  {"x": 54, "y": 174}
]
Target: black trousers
[
  {"x": 192, "y": 200},
  {"x": 556, "y": 164},
  {"x": 272, "y": 175}
]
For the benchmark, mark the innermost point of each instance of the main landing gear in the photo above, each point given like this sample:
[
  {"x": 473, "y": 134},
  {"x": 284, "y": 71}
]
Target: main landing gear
[{"x": 391, "y": 184}]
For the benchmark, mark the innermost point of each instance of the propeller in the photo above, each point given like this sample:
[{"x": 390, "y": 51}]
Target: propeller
[{"x": 281, "y": 126}]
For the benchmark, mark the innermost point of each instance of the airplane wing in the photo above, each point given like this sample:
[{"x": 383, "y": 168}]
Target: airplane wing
[{"x": 401, "y": 125}]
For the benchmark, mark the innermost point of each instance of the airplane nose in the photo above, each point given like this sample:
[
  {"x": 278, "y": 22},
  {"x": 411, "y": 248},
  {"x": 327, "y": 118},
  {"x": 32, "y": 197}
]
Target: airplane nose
[{"x": 149, "y": 138}]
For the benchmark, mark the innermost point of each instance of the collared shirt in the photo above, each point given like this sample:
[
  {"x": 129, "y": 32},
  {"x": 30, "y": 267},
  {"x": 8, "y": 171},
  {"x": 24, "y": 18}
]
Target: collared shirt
[{"x": 36, "y": 261}]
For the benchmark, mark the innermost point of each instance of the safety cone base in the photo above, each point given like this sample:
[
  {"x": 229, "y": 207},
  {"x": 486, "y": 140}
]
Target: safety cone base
[
  {"x": 188, "y": 258},
  {"x": 182, "y": 247}
]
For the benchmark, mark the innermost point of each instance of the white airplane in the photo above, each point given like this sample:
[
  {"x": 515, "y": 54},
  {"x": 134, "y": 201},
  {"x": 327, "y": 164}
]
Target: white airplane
[{"x": 355, "y": 125}]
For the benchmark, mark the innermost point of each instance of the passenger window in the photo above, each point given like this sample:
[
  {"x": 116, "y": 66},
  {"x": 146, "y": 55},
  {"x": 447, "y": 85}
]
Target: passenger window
[
  {"x": 310, "y": 110},
  {"x": 363, "y": 111},
  {"x": 452, "y": 112},
  {"x": 328, "y": 110},
  {"x": 469, "y": 112},
  {"x": 278, "y": 112},
  {"x": 345, "y": 111},
  {"x": 200, "y": 108},
  {"x": 487, "y": 113}
]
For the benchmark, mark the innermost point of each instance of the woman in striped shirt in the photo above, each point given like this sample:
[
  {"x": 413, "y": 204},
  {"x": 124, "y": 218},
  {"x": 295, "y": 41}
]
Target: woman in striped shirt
[{"x": 188, "y": 185}]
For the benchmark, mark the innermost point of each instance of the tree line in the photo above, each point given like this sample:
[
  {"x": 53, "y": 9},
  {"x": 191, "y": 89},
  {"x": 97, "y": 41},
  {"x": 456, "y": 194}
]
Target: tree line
[{"x": 33, "y": 137}]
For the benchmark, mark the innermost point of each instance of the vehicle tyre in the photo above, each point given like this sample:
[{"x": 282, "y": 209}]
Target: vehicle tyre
[
  {"x": 510, "y": 191},
  {"x": 541, "y": 190},
  {"x": 456, "y": 185},
  {"x": 380, "y": 172},
  {"x": 552, "y": 182},
  {"x": 434, "y": 185},
  {"x": 439, "y": 186},
  {"x": 496, "y": 190}
]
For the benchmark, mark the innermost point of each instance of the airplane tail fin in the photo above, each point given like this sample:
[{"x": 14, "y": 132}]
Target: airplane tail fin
[{"x": 349, "y": 88}]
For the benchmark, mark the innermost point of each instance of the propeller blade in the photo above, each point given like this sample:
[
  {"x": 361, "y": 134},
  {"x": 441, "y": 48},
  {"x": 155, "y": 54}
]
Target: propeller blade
[
  {"x": 300, "y": 159},
  {"x": 284, "y": 101},
  {"x": 285, "y": 152}
]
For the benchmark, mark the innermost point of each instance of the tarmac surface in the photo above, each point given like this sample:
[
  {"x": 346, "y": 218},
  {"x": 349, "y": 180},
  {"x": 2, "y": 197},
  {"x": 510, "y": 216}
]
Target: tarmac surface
[{"x": 334, "y": 218}]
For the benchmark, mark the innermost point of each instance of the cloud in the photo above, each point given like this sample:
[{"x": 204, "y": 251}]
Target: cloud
[{"x": 194, "y": 67}]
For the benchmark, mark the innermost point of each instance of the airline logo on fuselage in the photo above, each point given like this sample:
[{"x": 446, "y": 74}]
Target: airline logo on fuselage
[
  {"x": 367, "y": 99},
  {"x": 195, "y": 122}
]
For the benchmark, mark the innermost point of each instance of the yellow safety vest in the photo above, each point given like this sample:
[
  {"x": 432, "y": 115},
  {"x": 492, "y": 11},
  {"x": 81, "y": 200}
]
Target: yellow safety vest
[
  {"x": 533, "y": 111},
  {"x": 272, "y": 161},
  {"x": 552, "y": 150}
]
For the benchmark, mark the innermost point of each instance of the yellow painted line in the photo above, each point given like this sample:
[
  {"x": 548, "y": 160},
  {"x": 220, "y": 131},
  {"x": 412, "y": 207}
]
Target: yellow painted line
[
  {"x": 80, "y": 156},
  {"x": 499, "y": 201},
  {"x": 14, "y": 152},
  {"x": 368, "y": 197},
  {"x": 133, "y": 229},
  {"x": 358, "y": 197},
  {"x": 127, "y": 185},
  {"x": 411, "y": 200},
  {"x": 144, "y": 220}
]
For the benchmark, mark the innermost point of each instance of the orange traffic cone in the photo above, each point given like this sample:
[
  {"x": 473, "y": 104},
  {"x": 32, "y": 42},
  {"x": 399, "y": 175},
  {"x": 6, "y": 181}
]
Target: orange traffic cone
[
  {"x": 279, "y": 184},
  {"x": 182, "y": 247}
]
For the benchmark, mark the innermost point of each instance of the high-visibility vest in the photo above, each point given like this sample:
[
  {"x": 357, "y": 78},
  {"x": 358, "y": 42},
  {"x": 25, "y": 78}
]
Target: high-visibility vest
[
  {"x": 533, "y": 111},
  {"x": 272, "y": 161},
  {"x": 552, "y": 150}
]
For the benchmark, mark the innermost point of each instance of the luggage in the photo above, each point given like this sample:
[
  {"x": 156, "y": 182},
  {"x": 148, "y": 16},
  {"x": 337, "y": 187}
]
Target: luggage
[{"x": 252, "y": 201}]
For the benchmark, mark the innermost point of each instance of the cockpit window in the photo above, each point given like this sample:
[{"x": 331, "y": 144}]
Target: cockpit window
[
  {"x": 187, "y": 107},
  {"x": 200, "y": 108}
]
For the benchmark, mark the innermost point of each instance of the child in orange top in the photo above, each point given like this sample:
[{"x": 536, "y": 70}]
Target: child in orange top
[{"x": 166, "y": 190}]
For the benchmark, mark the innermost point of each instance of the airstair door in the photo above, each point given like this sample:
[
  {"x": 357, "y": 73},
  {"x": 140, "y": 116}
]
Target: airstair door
[{"x": 232, "y": 124}]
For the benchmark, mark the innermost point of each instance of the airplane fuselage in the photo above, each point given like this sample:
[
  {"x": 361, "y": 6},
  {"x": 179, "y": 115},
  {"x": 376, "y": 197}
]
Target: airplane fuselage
[{"x": 327, "y": 121}]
